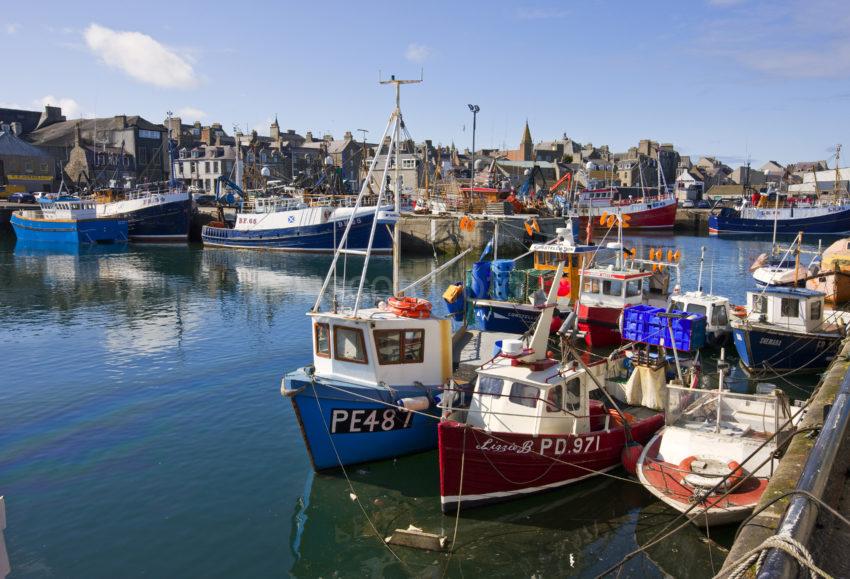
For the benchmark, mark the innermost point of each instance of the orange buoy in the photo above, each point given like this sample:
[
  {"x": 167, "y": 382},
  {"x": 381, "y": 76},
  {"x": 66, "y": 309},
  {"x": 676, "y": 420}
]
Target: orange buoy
[
  {"x": 603, "y": 218},
  {"x": 737, "y": 474},
  {"x": 630, "y": 455},
  {"x": 409, "y": 307}
]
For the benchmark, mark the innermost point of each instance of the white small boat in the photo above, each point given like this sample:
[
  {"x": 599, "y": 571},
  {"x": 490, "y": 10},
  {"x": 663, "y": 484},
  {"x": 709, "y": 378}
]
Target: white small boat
[{"x": 715, "y": 456}]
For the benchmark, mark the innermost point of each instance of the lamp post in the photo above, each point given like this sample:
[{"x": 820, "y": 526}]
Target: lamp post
[{"x": 474, "y": 109}]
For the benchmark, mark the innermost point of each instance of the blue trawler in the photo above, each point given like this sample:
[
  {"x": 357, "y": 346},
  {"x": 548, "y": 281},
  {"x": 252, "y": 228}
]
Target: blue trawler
[
  {"x": 373, "y": 389},
  {"x": 789, "y": 218},
  {"x": 786, "y": 330},
  {"x": 67, "y": 219}
]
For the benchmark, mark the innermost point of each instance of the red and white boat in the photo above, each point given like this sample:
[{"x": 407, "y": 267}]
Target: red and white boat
[
  {"x": 710, "y": 436},
  {"x": 646, "y": 212},
  {"x": 605, "y": 293},
  {"x": 534, "y": 424}
]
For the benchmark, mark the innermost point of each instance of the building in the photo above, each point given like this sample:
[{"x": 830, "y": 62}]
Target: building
[
  {"x": 773, "y": 172},
  {"x": 23, "y": 122},
  {"x": 106, "y": 151},
  {"x": 23, "y": 167},
  {"x": 747, "y": 176},
  {"x": 526, "y": 147},
  {"x": 200, "y": 167},
  {"x": 346, "y": 154},
  {"x": 689, "y": 186},
  {"x": 411, "y": 170}
]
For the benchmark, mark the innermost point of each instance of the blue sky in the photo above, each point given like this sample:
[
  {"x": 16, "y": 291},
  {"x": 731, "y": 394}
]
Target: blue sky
[{"x": 724, "y": 77}]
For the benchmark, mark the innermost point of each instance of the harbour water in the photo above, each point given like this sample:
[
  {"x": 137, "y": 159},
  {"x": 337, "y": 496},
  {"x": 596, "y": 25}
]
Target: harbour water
[{"x": 142, "y": 432}]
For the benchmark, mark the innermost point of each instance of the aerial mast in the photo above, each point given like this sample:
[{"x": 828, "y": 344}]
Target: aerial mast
[{"x": 396, "y": 228}]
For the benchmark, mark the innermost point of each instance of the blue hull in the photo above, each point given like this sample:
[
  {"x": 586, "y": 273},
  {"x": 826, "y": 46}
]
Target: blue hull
[
  {"x": 314, "y": 238},
  {"x": 504, "y": 318},
  {"x": 776, "y": 349},
  {"x": 837, "y": 223},
  {"x": 106, "y": 230},
  {"x": 341, "y": 426},
  {"x": 167, "y": 222}
]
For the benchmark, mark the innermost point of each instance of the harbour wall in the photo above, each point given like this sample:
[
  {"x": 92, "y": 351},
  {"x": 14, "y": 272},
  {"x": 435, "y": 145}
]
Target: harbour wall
[{"x": 794, "y": 467}]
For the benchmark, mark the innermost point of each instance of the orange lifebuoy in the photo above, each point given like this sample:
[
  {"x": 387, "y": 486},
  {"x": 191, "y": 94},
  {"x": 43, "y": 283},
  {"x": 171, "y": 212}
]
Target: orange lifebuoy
[
  {"x": 737, "y": 474},
  {"x": 466, "y": 224},
  {"x": 408, "y": 307},
  {"x": 686, "y": 463},
  {"x": 739, "y": 311},
  {"x": 618, "y": 420}
]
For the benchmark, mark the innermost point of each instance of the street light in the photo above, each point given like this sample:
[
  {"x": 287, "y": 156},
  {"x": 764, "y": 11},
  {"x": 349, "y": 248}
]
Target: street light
[{"x": 474, "y": 109}]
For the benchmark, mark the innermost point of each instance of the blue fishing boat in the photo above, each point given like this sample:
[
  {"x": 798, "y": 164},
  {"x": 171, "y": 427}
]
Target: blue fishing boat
[
  {"x": 373, "y": 389},
  {"x": 157, "y": 215},
  {"x": 67, "y": 219},
  {"x": 828, "y": 218},
  {"x": 785, "y": 329},
  {"x": 304, "y": 225}
]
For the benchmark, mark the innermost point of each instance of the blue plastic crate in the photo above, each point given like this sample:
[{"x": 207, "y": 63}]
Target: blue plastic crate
[{"x": 642, "y": 323}]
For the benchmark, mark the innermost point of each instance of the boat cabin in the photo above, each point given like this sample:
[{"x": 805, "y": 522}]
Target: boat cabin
[
  {"x": 797, "y": 309},
  {"x": 613, "y": 287},
  {"x": 716, "y": 310},
  {"x": 518, "y": 398},
  {"x": 379, "y": 346},
  {"x": 72, "y": 208},
  {"x": 547, "y": 257}
]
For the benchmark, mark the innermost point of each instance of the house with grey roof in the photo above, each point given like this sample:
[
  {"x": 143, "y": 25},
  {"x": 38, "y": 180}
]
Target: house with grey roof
[{"x": 23, "y": 167}]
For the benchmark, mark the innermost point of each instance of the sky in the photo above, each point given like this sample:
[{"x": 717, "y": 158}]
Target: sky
[{"x": 736, "y": 79}]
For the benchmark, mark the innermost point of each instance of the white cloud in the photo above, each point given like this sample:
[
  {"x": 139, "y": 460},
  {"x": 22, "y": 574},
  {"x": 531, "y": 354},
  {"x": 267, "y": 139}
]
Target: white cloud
[
  {"x": 417, "y": 52},
  {"x": 70, "y": 107},
  {"x": 141, "y": 57},
  {"x": 12, "y": 27},
  {"x": 192, "y": 113},
  {"x": 539, "y": 13}
]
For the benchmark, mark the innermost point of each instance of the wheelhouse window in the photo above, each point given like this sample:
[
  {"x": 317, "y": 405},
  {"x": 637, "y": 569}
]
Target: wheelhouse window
[
  {"x": 759, "y": 304},
  {"x": 633, "y": 288},
  {"x": 524, "y": 394},
  {"x": 790, "y": 307},
  {"x": 323, "y": 340},
  {"x": 591, "y": 286},
  {"x": 400, "y": 346},
  {"x": 555, "y": 399},
  {"x": 815, "y": 311},
  {"x": 349, "y": 345},
  {"x": 612, "y": 287},
  {"x": 490, "y": 386},
  {"x": 696, "y": 309},
  {"x": 718, "y": 316},
  {"x": 573, "y": 397}
]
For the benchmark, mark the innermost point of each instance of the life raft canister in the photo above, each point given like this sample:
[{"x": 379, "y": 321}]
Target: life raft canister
[{"x": 409, "y": 307}]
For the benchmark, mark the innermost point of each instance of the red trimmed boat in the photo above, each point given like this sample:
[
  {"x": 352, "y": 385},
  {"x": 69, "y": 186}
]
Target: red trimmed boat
[
  {"x": 645, "y": 212},
  {"x": 534, "y": 424},
  {"x": 605, "y": 293},
  {"x": 701, "y": 456}
]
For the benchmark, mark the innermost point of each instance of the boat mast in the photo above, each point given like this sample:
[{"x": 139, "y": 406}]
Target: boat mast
[
  {"x": 701, "y": 261},
  {"x": 837, "y": 170},
  {"x": 396, "y": 228}
]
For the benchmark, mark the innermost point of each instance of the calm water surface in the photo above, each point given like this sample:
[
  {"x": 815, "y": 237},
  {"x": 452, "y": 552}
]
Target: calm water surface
[{"x": 142, "y": 433}]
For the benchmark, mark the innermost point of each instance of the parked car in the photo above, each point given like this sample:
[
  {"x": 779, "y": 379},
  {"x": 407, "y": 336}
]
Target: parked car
[
  {"x": 205, "y": 200},
  {"x": 22, "y": 197},
  {"x": 703, "y": 204},
  {"x": 687, "y": 204}
]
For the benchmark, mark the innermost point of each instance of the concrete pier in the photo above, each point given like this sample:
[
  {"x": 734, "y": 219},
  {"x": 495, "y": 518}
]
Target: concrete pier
[{"x": 829, "y": 538}]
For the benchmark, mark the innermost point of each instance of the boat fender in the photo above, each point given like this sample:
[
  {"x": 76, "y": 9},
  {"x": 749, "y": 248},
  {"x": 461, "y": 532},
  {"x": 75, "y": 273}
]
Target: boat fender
[
  {"x": 630, "y": 455},
  {"x": 415, "y": 403}
]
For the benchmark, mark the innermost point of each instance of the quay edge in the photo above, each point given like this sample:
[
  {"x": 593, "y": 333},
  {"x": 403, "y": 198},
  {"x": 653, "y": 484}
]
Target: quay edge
[{"x": 791, "y": 466}]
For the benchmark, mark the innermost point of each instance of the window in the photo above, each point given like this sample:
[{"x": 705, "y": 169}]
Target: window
[
  {"x": 349, "y": 345},
  {"x": 490, "y": 386},
  {"x": 44, "y": 167},
  {"x": 408, "y": 163},
  {"x": 696, "y": 309},
  {"x": 143, "y": 155},
  {"x": 718, "y": 316},
  {"x": 555, "y": 400},
  {"x": 216, "y": 166},
  {"x": 28, "y": 166},
  {"x": 573, "y": 401},
  {"x": 815, "y": 311},
  {"x": 591, "y": 286},
  {"x": 524, "y": 395},
  {"x": 759, "y": 304},
  {"x": 633, "y": 288},
  {"x": 206, "y": 166},
  {"x": 790, "y": 307},
  {"x": 612, "y": 287},
  {"x": 323, "y": 340},
  {"x": 145, "y": 134},
  {"x": 400, "y": 346}
]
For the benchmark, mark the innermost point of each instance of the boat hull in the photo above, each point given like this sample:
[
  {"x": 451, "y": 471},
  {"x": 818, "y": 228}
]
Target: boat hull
[
  {"x": 832, "y": 223},
  {"x": 321, "y": 238},
  {"x": 600, "y": 324},
  {"x": 665, "y": 481},
  {"x": 477, "y": 467},
  {"x": 504, "y": 317},
  {"x": 344, "y": 424},
  {"x": 777, "y": 349},
  {"x": 656, "y": 215},
  {"x": 106, "y": 230},
  {"x": 169, "y": 222}
]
